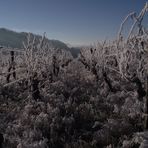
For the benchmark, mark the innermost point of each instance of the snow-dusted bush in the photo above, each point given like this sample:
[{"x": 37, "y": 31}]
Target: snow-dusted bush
[{"x": 96, "y": 100}]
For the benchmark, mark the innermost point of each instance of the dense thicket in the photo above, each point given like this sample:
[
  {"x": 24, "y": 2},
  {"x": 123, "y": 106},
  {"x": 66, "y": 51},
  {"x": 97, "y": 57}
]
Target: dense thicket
[{"x": 96, "y": 100}]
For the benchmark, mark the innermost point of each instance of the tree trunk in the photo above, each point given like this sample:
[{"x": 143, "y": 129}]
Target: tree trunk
[{"x": 11, "y": 66}]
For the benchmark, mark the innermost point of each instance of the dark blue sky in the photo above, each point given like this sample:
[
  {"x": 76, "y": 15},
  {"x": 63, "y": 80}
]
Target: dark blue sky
[{"x": 76, "y": 22}]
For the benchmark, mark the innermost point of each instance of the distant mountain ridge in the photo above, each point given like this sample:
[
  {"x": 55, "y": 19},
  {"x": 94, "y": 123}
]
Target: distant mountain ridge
[{"x": 9, "y": 38}]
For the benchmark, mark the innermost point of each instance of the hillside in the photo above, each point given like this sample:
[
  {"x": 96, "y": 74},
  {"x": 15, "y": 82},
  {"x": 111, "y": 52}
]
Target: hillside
[{"x": 14, "y": 39}]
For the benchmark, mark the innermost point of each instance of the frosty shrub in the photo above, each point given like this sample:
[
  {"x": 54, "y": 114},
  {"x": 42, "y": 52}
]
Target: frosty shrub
[{"x": 95, "y": 100}]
